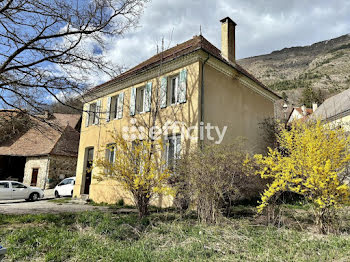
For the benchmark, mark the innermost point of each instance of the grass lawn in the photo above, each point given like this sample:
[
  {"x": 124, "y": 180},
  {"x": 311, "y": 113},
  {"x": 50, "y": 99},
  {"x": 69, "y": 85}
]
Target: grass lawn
[{"x": 163, "y": 236}]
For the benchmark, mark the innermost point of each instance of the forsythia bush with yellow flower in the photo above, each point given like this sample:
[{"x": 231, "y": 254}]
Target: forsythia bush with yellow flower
[
  {"x": 311, "y": 160},
  {"x": 139, "y": 167}
]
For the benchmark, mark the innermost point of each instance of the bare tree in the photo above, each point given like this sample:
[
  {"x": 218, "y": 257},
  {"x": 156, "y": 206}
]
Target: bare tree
[{"x": 50, "y": 47}]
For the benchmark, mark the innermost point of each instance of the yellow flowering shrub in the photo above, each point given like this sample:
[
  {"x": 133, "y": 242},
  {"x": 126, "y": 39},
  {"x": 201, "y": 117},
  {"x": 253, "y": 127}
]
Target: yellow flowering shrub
[
  {"x": 310, "y": 160},
  {"x": 139, "y": 167}
]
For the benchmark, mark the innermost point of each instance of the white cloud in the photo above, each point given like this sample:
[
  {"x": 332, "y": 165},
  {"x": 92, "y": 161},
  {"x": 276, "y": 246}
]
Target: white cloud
[{"x": 263, "y": 26}]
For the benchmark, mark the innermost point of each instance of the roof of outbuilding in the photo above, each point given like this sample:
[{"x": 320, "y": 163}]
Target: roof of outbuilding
[
  {"x": 333, "y": 106},
  {"x": 57, "y": 135},
  {"x": 196, "y": 43}
]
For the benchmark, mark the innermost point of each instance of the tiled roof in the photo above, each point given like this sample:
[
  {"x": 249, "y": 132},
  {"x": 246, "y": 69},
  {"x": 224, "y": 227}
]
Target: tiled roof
[
  {"x": 57, "y": 136},
  {"x": 334, "y": 106},
  {"x": 308, "y": 110},
  {"x": 196, "y": 43}
]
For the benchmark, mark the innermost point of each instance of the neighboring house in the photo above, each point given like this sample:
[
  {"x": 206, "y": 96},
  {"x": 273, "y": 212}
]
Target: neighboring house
[
  {"x": 300, "y": 113},
  {"x": 335, "y": 110},
  {"x": 197, "y": 84},
  {"x": 42, "y": 154}
]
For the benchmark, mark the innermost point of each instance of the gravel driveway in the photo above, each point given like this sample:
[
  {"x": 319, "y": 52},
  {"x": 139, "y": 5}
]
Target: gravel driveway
[{"x": 19, "y": 207}]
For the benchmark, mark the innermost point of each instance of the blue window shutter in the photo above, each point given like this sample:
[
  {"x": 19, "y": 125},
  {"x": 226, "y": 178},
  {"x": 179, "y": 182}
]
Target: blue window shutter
[
  {"x": 133, "y": 101},
  {"x": 120, "y": 106},
  {"x": 163, "y": 91},
  {"x": 86, "y": 114},
  {"x": 148, "y": 97},
  {"x": 182, "y": 86},
  {"x": 108, "y": 109},
  {"x": 98, "y": 112}
]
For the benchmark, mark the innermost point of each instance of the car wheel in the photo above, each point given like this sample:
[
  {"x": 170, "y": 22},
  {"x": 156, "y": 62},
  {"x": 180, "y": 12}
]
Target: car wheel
[
  {"x": 34, "y": 197},
  {"x": 71, "y": 194},
  {"x": 57, "y": 195}
]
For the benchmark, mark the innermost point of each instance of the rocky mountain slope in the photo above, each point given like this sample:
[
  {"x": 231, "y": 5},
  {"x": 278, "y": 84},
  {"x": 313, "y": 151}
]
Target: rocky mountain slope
[{"x": 322, "y": 66}]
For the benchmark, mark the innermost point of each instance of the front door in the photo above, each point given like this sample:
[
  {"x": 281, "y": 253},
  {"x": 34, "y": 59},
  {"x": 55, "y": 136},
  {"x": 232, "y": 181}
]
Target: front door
[
  {"x": 88, "y": 165},
  {"x": 34, "y": 181},
  {"x": 5, "y": 191}
]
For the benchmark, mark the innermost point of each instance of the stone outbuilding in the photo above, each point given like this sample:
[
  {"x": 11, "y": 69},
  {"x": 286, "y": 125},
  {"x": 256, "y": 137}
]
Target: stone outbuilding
[{"x": 44, "y": 153}]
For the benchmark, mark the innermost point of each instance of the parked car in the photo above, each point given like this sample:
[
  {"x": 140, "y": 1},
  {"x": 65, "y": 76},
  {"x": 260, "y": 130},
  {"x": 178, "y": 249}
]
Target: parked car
[
  {"x": 2, "y": 252},
  {"x": 10, "y": 190},
  {"x": 65, "y": 188}
]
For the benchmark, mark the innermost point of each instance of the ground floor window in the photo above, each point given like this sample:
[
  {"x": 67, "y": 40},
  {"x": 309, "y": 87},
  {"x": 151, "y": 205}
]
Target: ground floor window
[
  {"x": 111, "y": 152},
  {"x": 173, "y": 149}
]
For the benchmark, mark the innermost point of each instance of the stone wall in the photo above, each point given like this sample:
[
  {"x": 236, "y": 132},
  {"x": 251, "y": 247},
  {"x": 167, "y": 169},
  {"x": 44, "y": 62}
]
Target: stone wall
[
  {"x": 55, "y": 168},
  {"x": 60, "y": 168},
  {"x": 40, "y": 163}
]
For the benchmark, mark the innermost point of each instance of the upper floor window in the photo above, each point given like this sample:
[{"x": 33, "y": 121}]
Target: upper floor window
[
  {"x": 140, "y": 99},
  {"x": 173, "y": 97},
  {"x": 93, "y": 113},
  {"x": 115, "y": 107},
  {"x": 173, "y": 89}
]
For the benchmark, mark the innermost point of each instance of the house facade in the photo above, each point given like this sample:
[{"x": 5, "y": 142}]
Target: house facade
[
  {"x": 42, "y": 154},
  {"x": 194, "y": 84},
  {"x": 300, "y": 113}
]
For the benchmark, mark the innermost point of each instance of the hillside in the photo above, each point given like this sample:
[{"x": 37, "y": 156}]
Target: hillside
[{"x": 323, "y": 66}]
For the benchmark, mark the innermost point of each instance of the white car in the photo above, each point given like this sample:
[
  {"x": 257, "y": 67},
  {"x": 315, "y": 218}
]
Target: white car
[
  {"x": 10, "y": 190},
  {"x": 65, "y": 188}
]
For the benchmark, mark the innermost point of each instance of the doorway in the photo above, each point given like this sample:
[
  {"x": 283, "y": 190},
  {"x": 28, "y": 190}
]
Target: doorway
[
  {"x": 88, "y": 171},
  {"x": 34, "y": 180}
]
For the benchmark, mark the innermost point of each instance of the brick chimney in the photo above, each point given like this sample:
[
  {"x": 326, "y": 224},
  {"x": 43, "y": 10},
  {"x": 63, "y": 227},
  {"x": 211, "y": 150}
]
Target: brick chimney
[{"x": 228, "y": 39}]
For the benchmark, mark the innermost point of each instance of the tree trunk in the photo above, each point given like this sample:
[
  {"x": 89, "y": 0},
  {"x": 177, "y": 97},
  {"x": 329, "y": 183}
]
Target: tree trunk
[{"x": 142, "y": 202}]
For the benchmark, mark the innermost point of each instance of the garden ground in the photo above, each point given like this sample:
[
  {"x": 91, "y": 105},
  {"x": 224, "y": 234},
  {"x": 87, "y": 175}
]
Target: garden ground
[
  {"x": 55, "y": 206},
  {"x": 165, "y": 236}
]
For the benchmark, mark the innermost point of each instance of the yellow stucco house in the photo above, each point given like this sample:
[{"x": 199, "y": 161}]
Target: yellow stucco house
[{"x": 193, "y": 83}]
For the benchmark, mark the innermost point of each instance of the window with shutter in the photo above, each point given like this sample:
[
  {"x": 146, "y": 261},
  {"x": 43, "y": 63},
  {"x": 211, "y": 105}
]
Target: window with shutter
[
  {"x": 120, "y": 103},
  {"x": 92, "y": 113},
  {"x": 176, "y": 89},
  {"x": 108, "y": 112},
  {"x": 97, "y": 112},
  {"x": 111, "y": 152},
  {"x": 140, "y": 99},
  {"x": 148, "y": 97},
  {"x": 173, "y": 150},
  {"x": 182, "y": 87},
  {"x": 163, "y": 92},
  {"x": 133, "y": 101},
  {"x": 87, "y": 115},
  {"x": 173, "y": 90},
  {"x": 114, "y": 106}
]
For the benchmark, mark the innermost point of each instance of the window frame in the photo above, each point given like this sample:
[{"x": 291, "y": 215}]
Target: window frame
[
  {"x": 114, "y": 107},
  {"x": 176, "y": 152},
  {"x": 137, "y": 99},
  {"x": 173, "y": 91},
  {"x": 109, "y": 151},
  {"x": 92, "y": 113}
]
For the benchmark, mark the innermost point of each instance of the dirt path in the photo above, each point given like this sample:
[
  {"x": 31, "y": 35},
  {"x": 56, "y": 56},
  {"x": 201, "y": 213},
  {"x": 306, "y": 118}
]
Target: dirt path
[{"x": 19, "y": 207}]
